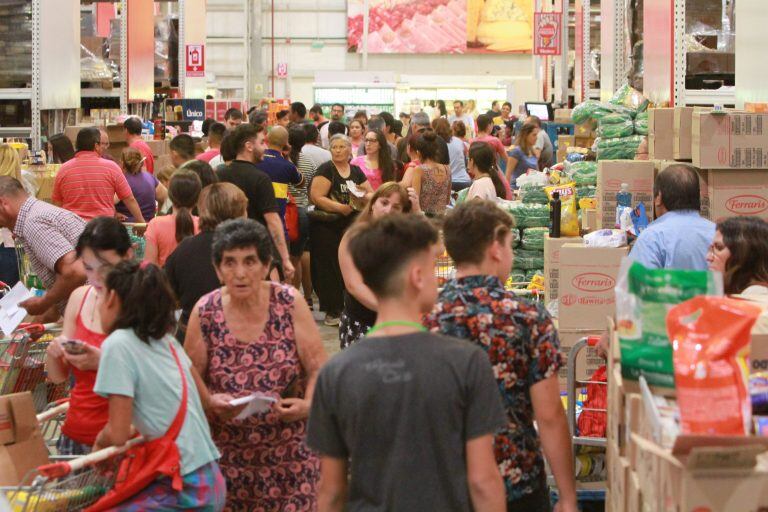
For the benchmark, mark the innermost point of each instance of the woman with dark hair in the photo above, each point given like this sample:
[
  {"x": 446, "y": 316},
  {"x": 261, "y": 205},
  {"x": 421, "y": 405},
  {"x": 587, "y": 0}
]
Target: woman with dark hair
[
  {"x": 523, "y": 156},
  {"x": 486, "y": 183},
  {"x": 103, "y": 243},
  {"x": 359, "y": 313},
  {"x": 164, "y": 233},
  {"x": 740, "y": 251},
  {"x": 298, "y": 249},
  {"x": 457, "y": 158},
  {"x": 376, "y": 163},
  {"x": 442, "y": 111},
  {"x": 356, "y": 133},
  {"x": 147, "y": 190},
  {"x": 203, "y": 170},
  {"x": 430, "y": 180},
  {"x": 253, "y": 335},
  {"x": 148, "y": 381}
]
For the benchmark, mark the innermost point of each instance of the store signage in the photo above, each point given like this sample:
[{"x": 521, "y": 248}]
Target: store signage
[
  {"x": 191, "y": 109},
  {"x": 195, "y": 60},
  {"x": 547, "y": 33},
  {"x": 282, "y": 69}
]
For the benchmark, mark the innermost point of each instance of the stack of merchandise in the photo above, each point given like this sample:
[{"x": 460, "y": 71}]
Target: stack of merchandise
[
  {"x": 15, "y": 45},
  {"x": 531, "y": 224}
]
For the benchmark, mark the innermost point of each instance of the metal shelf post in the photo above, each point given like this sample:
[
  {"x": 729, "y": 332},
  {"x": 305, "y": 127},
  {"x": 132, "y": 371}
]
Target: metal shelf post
[{"x": 36, "y": 77}]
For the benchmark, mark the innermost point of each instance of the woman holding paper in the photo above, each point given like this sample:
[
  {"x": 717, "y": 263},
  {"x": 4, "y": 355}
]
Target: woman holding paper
[{"x": 256, "y": 336}]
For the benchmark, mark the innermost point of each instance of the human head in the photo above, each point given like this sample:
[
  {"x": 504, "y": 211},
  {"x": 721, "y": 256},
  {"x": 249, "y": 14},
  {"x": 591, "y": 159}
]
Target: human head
[
  {"x": 495, "y": 106},
  {"x": 296, "y": 139},
  {"x": 395, "y": 255},
  {"x": 219, "y": 202},
  {"x": 376, "y": 123},
  {"x": 389, "y": 123},
  {"x": 10, "y": 163},
  {"x": 458, "y": 108},
  {"x": 283, "y": 118},
  {"x": 740, "y": 252},
  {"x": 104, "y": 241},
  {"x": 534, "y": 120},
  {"x": 204, "y": 171},
  {"x": 362, "y": 116},
  {"x": 526, "y": 139},
  {"x": 397, "y": 128},
  {"x": 12, "y": 196},
  {"x": 316, "y": 113},
  {"x": 341, "y": 148},
  {"x": 443, "y": 128},
  {"x": 506, "y": 109},
  {"x": 337, "y": 112},
  {"x": 164, "y": 175},
  {"x": 137, "y": 297},
  {"x": 311, "y": 133},
  {"x": 207, "y": 122},
  {"x": 390, "y": 197},
  {"x": 259, "y": 118},
  {"x": 356, "y": 128},
  {"x": 677, "y": 188},
  {"x": 335, "y": 127},
  {"x": 103, "y": 142},
  {"x": 405, "y": 118},
  {"x": 182, "y": 149},
  {"x": 233, "y": 118},
  {"x": 183, "y": 191},
  {"x": 481, "y": 159},
  {"x": 277, "y": 138},
  {"x": 216, "y": 134},
  {"x": 376, "y": 145},
  {"x": 88, "y": 139},
  {"x": 459, "y": 129},
  {"x": 133, "y": 126},
  {"x": 242, "y": 253},
  {"x": 248, "y": 142},
  {"x": 484, "y": 124},
  {"x": 419, "y": 122},
  {"x": 131, "y": 160},
  {"x": 478, "y": 233},
  {"x": 298, "y": 112},
  {"x": 426, "y": 146}
]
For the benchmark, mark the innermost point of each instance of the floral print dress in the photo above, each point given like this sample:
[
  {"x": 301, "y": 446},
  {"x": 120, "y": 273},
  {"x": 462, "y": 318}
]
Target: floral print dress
[
  {"x": 265, "y": 461},
  {"x": 523, "y": 348}
]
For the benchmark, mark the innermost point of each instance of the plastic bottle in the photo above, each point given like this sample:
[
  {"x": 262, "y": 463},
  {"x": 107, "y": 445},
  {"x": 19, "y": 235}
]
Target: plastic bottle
[
  {"x": 556, "y": 209},
  {"x": 623, "y": 200}
]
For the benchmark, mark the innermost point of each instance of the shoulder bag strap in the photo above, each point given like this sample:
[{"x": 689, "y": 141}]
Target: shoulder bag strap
[{"x": 178, "y": 421}]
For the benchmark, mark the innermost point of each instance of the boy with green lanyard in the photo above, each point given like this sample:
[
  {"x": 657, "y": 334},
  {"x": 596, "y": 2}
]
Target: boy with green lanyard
[{"x": 415, "y": 412}]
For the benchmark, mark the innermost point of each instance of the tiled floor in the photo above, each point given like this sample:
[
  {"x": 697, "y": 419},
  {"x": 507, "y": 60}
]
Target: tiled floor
[{"x": 330, "y": 335}]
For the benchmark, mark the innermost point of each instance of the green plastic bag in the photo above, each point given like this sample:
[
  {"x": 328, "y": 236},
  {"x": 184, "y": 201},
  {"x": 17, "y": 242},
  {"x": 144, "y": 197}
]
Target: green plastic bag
[
  {"x": 530, "y": 274},
  {"x": 515, "y": 237},
  {"x": 622, "y": 148},
  {"x": 631, "y": 98},
  {"x": 533, "y": 194},
  {"x": 643, "y": 298},
  {"x": 516, "y": 279},
  {"x": 586, "y": 191},
  {"x": 585, "y": 174},
  {"x": 528, "y": 260},
  {"x": 615, "y": 130},
  {"x": 585, "y": 111},
  {"x": 533, "y": 238},
  {"x": 529, "y": 215},
  {"x": 615, "y": 118},
  {"x": 641, "y": 126},
  {"x": 462, "y": 195}
]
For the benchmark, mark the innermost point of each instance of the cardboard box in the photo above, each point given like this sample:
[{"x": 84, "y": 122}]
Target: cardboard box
[
  {"x": 587, "y": 360},
  {"x": 563, "y": 115},
  {"x": 661, "y": 128},
  {"x": 561, "y": 155},
  {"x": 159, "y": 147},
  {"x": 737, "y": 193},
  {"x": 681, "y": 140},
  {"x": 586, "y": 129},
  {"x": 634, "y": 497},
  {"x": 729, "y": 140},
  {"x": 21, "y": 444},
  {"x": 588, "y": 220},
  {"x": 618, "y": 471},
  {"x": 584, "y": 142},
  {"x": 565, "y": 141},
  {"x": 660, "y": 165},
  {"x": 638, "y": 174},
  {"x": 552, "y": 248},
  {"x": 587, "y": 281},
  {"x": 761, "y": 108}
]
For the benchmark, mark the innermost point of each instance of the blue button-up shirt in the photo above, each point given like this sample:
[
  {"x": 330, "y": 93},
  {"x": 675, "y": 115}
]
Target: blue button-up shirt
[{"x": 678, "y": 239}]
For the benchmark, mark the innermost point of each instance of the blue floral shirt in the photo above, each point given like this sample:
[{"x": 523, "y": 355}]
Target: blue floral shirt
[{"x": 522, "y": 345}]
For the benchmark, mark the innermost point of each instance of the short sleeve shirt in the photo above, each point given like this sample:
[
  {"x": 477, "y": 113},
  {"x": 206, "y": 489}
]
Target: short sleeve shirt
[
  {"x": 522, "y": 345},
  {"x": 161, "y": 231},
  {"x": 87, "y": 185},
  {"x": 402, "y": 408},
  {"x": 339, "y": 191},
  {"x": 373, "y": 175},
  {"x": 47, "y": 233},
  {"x": 282, "y": 172},
  {"x": 146, "y": 152},
  {"x": 255, "y": 184},
  {"x": 148, "y": 373},
  {"x": 143, "y": 185},
  {"x": 299, "y": 192}
]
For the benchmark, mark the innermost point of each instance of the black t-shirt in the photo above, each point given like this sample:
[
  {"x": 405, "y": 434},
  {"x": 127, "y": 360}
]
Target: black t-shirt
[
  {"x": 402, "y": 408},
  {"x": 339, "y": 191},
  {"x": 255, "y": 184},
  {"x": 190, "y": 270}
]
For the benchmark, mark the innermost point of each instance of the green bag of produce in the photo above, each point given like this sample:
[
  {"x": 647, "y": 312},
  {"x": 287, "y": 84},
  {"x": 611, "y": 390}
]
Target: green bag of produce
[
  {"x": 584, "y": 173},
  {"x": 585, "y": 111},
  {"x": 641, "y": 126},
  {"x": 615, "y": 130},
  {"x": 529, "y": 215},
  {"x": 528, "y": 260},
  {"x": 462, "y": 195},
  {"x": 643, "y": 298},
  {"x": 515, "y": 237},
  {"x": 586, "y": 191},
  {"x": 533, "y": 238},
  {"x": 631, "y": 98},
  {"x": 516, "y": 279},
  {"x": 533, "y": 194},
  {"x": 530, "y": 274},
  {"x": 622, "y": 148},
  {"x": 615, "y": 118}
]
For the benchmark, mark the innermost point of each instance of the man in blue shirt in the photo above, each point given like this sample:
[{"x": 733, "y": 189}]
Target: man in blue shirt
[
  {"x": 280, "y": 170},
  {"x": 679, "y": 238}
]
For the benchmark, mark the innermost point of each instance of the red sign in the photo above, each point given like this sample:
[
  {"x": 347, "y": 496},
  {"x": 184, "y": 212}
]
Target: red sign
[
  {"x": 282, "y": 69},
  {"x": 547, "y": 33},
  {"x": 195, "y": 61}
]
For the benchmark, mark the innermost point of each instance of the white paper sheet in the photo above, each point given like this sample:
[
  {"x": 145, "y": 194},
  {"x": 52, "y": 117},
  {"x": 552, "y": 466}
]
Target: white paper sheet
[
  {"x": 11, "y": 315},
  {"x": 257, "y": 402}
]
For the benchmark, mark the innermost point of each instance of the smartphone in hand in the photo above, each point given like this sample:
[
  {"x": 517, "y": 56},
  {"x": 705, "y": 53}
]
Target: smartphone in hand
[{"x": 74, "y": 347}]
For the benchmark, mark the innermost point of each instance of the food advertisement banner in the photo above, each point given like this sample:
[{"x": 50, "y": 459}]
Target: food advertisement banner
[
  {"x": 547, "y": 33},
  {"x": 441, "y": 26}
]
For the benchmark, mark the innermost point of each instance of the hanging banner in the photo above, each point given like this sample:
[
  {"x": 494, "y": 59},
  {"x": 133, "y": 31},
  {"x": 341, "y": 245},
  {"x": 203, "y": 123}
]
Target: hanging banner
[
  {"x": 547, "y": 33},
  {"x": 195, "y": 60}
]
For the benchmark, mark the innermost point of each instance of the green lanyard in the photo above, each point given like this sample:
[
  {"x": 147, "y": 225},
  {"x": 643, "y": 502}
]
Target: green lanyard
[{"x": 393, "y": 323}]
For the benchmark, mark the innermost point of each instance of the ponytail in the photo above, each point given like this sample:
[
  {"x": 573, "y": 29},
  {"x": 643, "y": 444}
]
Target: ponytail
[
  {"x": 484, "y": 158},
  {"x": 184, "y": 190}
]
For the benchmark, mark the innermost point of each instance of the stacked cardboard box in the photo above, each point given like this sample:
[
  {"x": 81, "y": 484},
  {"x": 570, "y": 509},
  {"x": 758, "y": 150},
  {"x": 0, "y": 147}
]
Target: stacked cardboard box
[
  {"x": 610, "y": 175},
  {"x": 661, "y": 124}
]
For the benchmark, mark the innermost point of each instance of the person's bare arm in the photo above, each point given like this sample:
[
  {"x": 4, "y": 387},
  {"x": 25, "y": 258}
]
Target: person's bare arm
[
  {"x": 353, "y": 280},
  {"x": 332, "y": 488},
  {"x": 276, "y": 229},
  {"x": 486, "y": 488},
  {"x": 312, "y": 356},
  {"x": 511, "y": 164},
  {"x": 118, "y": 430},
  {"x": 69, "y": 275},
  {"x": 133, "y": 207},
  {"x": 194, "y": 345},
  {"x": 151, "y": 252},
  {"x": 55, "y": 362},
  {"x": 555, "y": 439},
  {"x": 319, "y": 197},
  {"x": 161, "y": 193},
  {"x": 416, "y": 179}
]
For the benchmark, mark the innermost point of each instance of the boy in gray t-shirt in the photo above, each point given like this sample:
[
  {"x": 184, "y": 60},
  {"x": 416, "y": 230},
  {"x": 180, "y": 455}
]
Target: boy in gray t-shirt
[{"x": 413, "y": 412}]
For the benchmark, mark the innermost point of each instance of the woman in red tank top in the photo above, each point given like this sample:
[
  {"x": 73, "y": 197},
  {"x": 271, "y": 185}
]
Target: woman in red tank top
[{"x": 104, "y": 241}]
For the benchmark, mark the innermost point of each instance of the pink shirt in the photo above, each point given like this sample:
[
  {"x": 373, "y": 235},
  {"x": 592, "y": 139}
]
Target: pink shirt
[
  {"x": 209, "y": 155},
  {"x": 87, "y": 184},
  {"x": 149, "y": 159},
  {"x": 373, "y": 175},
  {"x": 161, "y": 231},
  {"x": 495, "y": 143}
]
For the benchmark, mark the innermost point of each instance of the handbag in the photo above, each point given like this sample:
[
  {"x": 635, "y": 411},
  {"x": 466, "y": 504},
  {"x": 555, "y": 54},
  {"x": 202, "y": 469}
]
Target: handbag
[
  {"x": 292, "y": 219},
  {"x": 146, "y": 462},
  {"x": 319, "y": 215}
]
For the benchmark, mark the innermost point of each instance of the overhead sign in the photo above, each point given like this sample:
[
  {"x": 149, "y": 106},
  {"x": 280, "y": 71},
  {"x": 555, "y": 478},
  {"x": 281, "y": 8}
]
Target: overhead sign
[
  {"x": 195, "y": 60},
  {"x": 282, "y": 69},
  {"x": 547, "y": 33}
]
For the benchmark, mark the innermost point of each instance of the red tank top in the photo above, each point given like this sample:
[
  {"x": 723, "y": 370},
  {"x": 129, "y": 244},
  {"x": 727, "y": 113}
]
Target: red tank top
[{"x": 88, "y": 412}]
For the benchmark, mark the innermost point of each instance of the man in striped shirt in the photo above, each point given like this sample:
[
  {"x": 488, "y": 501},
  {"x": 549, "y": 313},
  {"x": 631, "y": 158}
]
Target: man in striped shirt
[{"x": 87, "y": 184}]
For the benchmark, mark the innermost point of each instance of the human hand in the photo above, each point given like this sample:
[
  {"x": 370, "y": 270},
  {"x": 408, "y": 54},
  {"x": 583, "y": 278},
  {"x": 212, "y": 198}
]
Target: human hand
[
  {"x": 414, "y": 197},
  {"x": 88, "y": 360},
  {"x": 219, "y": 405},
  {"x": 604, "y": 346},
  {"x": 119, "y": 216},
  {"x": 35, "y": 305},
  {"x": 346, "y": 210},
  {"x": 288, "y": 270},
  {"x": 55, "y": 349},
  {"x": 292, "y": 409}
]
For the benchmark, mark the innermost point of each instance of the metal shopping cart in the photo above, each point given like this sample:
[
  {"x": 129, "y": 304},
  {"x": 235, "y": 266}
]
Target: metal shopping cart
[
  {"x": 68, "y": 485},
  {"x": 27, "y": 276},
  {"x": 22, "y": 364},
  {"x": 136, "y": 233},
  {"x": 51, "y": 420}
]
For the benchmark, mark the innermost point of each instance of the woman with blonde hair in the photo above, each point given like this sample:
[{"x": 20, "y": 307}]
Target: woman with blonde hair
[
  {"x": 359, "y": 313},
  {"x": 523, "y": 157},
  {"x": 10, "y": 165},
  {"x": 147, "y": 190}
]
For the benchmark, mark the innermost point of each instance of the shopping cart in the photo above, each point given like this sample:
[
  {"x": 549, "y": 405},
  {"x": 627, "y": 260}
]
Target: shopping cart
[
  {"x": 51, "y": 420},
  {"x": 68, "y": 485},
  {"x": 22, "y": 364},
  {"x": 27, "y": 275},
  {"x": 136, "y": 233}
]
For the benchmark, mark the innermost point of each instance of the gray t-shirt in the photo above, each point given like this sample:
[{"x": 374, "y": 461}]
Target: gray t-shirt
[
  {"x": 402, "y": 409},
  {"x": 547, "y": 151}
]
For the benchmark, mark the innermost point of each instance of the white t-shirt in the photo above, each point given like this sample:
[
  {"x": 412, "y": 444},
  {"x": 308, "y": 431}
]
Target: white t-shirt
[
  {"x": 469, "y": 123},
  {"x": 317, "y": 155},
  {"x": 324, "y": 139},
  {"x": 482, "y": 188}
]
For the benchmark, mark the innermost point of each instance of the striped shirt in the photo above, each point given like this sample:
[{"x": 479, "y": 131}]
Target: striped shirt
[
  {"x": 47, "y": 233},
  {"x": 87, "y": 185},
  {"x": 299, "y": 192},
  {"x": 146, "y": 152}
]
